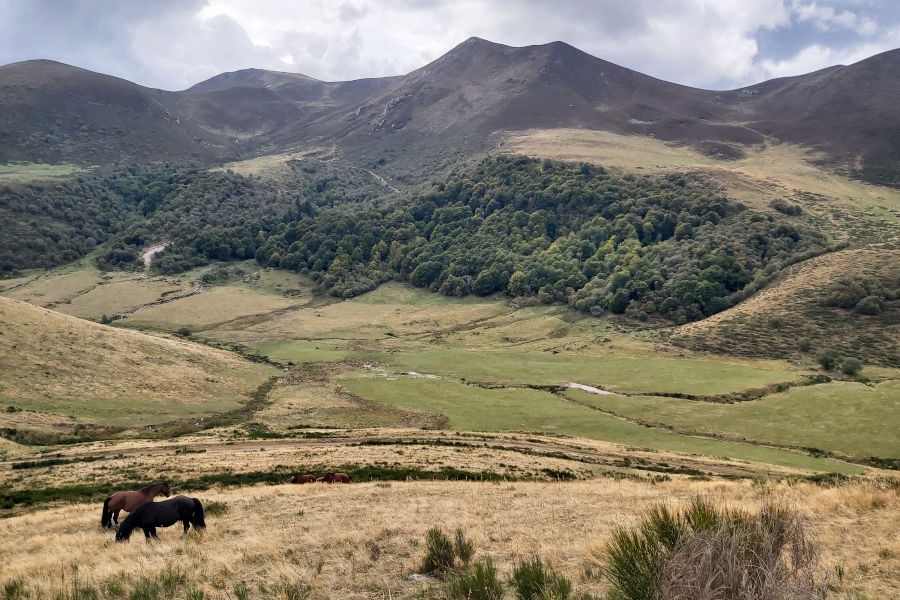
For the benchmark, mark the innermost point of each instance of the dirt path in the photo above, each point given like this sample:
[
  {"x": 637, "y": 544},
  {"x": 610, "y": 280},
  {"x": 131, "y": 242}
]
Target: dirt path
[{"x": 152, "y": 251}]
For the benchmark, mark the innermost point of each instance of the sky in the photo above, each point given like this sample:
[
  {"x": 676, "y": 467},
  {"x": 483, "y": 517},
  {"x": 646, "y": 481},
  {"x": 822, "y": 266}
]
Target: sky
[{"x": 712, "y": 44}]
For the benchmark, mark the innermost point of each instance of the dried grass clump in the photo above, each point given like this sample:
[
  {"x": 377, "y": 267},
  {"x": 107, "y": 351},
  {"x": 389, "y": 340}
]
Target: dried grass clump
[{"x": 705, "y": 552}]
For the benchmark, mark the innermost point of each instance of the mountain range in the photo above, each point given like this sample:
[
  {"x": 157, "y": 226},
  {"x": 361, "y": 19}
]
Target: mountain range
[{"x": 458, "y": 105}]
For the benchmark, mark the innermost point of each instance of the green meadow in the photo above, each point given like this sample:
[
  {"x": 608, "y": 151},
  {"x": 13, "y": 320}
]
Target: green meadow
[
  {"x": 845, "y": 417},
  {"x": 615, "y": 373},
  {"x": 472, "y": 408}
]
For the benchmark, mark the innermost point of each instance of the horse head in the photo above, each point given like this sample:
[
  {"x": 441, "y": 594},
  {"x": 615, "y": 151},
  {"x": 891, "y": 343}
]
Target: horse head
[
  {"x": 329, "y": 478},
  {"x": 164, "y": 489},
  {"x": 197, "y": 518}
]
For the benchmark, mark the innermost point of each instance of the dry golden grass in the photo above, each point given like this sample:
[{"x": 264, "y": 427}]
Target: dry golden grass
[
  {"x": 9, "y": 284},
  {"x": 54, "y": 288},
  {"x": 364, "y": 540},
  {"x": 217, "y": 305},
  {"x": 766, "y": 173},
  {"x": 393, "y": 309},
  {"x": 61, "y": 364},
  {"x": 120, "y": 293},
  {"x": 227, "y": 450},
  {"x": 311, "y": 396}
]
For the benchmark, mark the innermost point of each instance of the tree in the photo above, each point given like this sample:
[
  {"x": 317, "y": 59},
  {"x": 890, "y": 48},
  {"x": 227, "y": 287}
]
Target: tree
[
  {"x": 851, "y": 366},
  {"x": 619, "y": 303},
  {"x": 516, "y": 284},
  {"x": 828, "y": 358}
]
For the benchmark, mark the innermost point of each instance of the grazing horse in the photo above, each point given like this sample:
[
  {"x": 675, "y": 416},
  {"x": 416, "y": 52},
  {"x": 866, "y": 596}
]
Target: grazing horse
[
  {"x": 309, "y": 478},
  {"x": 151, "y": 515},
  {"x": 130, "y": 500},
  {"x": 337, "y": 478}
]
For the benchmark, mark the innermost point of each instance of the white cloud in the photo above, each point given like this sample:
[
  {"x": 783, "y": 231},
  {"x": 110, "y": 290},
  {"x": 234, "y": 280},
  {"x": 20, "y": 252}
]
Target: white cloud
[
  {"x": 173, "y": 44},
  {"x": 826, "y": 18},
  {"x": 816, "y": 56}
]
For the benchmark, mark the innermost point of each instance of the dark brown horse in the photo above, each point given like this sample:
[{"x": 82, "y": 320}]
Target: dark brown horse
[
  {"x": 308, "y": 478},
  {"x": 337, "y": 478},
  {"x": 150, "y": 515},
  {"x": 130, "y": 500}
]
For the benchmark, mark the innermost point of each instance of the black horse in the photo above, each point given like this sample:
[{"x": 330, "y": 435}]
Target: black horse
[{"x": 151, "y": 515}]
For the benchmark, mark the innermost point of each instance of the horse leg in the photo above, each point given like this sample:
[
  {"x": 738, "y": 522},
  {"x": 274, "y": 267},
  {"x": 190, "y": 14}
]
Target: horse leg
[
  {"x": 115, "y": 518},
  {"x": 147, "y": 533},
  {"x": 153, "y": 533},
  {"x": 187, "y": 525}
]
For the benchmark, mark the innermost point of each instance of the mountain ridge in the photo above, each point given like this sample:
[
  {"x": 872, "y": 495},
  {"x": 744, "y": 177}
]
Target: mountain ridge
[{"x": 450, "y": 108}]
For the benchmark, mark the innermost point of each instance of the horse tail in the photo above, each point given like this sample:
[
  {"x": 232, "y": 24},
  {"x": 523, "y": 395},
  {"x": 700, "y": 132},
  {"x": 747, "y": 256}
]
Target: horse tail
[
  {"x": 198, "y": 514},
  {"x": 106, "y": 518}
]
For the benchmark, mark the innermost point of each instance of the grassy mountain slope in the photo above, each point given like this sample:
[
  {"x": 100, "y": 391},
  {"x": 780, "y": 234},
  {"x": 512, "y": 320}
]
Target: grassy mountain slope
[
  {"x": 792, "y": 316},
  {"x": 63, "y": 365}
]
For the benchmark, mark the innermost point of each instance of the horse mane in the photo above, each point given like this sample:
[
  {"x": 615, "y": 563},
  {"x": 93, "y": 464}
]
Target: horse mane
[{"x": 146, "y": 490}]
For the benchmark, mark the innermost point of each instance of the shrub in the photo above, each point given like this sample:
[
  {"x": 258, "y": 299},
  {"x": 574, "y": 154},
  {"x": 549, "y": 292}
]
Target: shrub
[
  {"x": 13, "y": 589},
  {"x": 184, "y": 332},
  {"x": 828, "y": 358},
  {"x": 463, "y": 547},
  {"x": 786, "y": 208},
  {"x": 479, "y": 582},
  {"x": 870, "y": 305},
  {"x": 688, "y": 553},
  {"x": 215, "y": 508},
  {"x": 851, "y": 366},
  {"x": 536, "y": 580},
  {"x": 439, "y": 552},
  {"x": 293, "y": 591}
]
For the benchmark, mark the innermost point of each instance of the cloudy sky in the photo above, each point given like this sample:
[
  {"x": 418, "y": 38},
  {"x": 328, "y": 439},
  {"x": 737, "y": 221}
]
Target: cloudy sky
[{"x": 172, "y": 44}]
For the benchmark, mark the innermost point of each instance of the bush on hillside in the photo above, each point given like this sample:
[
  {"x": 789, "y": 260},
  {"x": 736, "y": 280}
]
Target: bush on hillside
[
  {"x": 828, "y": 358},
  {"x": 851, "y": 366}
]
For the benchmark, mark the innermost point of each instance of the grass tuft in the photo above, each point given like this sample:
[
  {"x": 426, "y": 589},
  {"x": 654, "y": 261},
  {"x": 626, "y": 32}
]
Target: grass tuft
[
  {"x": 478, "y": 582},
  {"x": 536, "y": 580},
  {"x": 463, "y": 547},
  {"x": 215, "y": 508}
]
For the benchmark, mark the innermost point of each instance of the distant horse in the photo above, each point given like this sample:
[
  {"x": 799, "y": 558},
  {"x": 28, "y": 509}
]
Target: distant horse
[
  {"x": 309, "y": 478},
  {"x": 337, "y": 478},
  {"x": 151, "y": 515},
  {"x": 130, "y": 500}
]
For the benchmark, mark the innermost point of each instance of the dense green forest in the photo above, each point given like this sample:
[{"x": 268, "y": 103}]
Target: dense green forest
[
  {"x": 52, "y": 223},
  {"x": 554, "y": 232},
  {"x": 547, "y": 231}
]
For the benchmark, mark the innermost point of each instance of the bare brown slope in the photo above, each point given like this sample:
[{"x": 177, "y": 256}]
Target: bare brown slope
[
  {"x": 448, "y": 110},
  {"x": 53, "y": 112},
  {"x": 251, "y": 103},
  {"x": 451, "y": 107},
  {"x": 849, "y": 112}
]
